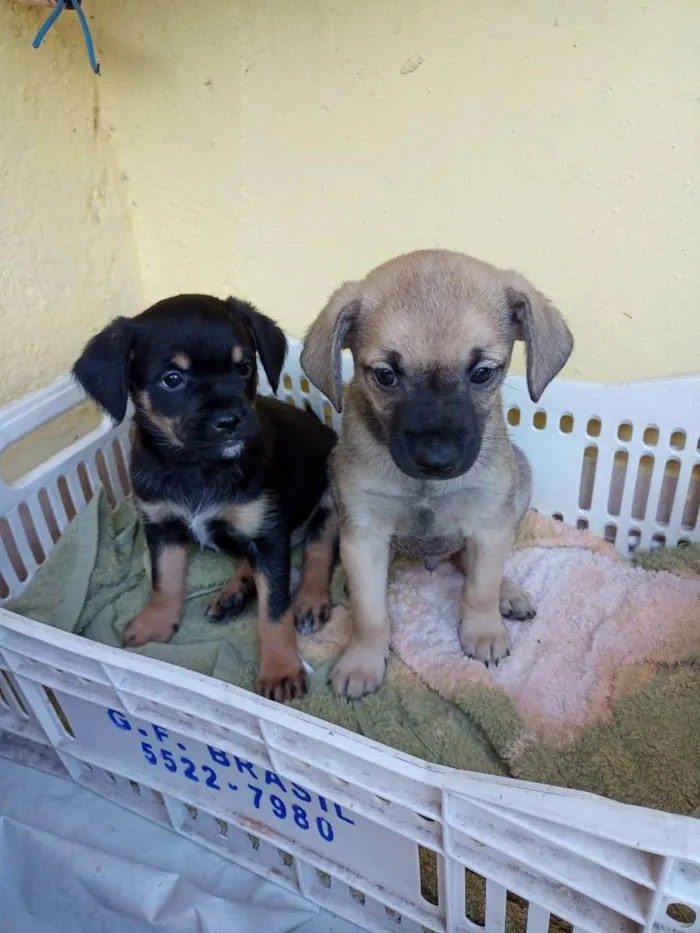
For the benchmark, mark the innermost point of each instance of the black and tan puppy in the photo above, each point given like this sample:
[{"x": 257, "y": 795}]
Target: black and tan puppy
[
  {"x": 424, "y": 465},
  {"x": 214, "y": 462}
]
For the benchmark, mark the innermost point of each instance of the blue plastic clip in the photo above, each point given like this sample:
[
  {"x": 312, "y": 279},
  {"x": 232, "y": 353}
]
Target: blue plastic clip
[{"x": 62, "y": 5}]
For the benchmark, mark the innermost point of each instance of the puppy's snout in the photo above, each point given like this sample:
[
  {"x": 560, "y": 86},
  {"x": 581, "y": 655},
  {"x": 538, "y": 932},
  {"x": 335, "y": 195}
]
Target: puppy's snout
[
  {"x": 433, "y": 454},
  {"x": 227, "y": 422}
]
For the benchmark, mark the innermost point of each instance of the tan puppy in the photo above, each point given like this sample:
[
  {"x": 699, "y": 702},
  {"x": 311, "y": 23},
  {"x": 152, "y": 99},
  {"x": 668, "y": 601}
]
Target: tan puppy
[{"x": 424, "y": 465}]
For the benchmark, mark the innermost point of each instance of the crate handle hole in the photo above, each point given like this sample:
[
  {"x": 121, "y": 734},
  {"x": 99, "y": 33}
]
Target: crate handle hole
[
  {"x": 682, "y": 914},
  {"x": 59, "y": 711}
]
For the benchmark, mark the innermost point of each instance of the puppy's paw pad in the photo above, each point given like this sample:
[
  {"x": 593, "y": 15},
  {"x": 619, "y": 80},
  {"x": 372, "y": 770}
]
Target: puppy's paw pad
[
  {"x": 280, "y": 685},
  {"x": 516, "y": 603},
  {"x": 358, "y": 673},
  {"x": 230, "y": 602},
  {"x": 311, "y": 613},
  {"x": 150, "y": 626},
  {"x": 484, "y": 639}
]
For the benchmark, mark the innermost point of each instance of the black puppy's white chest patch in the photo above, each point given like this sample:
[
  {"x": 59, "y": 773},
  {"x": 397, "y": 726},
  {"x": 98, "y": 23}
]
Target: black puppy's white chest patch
[{"x": 205, "y": 520}]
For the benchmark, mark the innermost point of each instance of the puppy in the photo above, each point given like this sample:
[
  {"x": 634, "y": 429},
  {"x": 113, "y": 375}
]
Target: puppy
[
  {"x": 213, "y": 462},
  {"x": 424, "y": 465}
]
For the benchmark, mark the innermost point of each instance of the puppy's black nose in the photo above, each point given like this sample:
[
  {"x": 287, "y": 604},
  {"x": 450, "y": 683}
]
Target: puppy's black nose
[
  {"x": 434, "y": 456},
  {"x": 227, "y": 423}
]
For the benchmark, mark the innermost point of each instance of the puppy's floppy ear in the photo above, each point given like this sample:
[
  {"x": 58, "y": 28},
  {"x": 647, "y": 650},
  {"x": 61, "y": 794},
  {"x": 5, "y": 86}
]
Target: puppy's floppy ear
[
  {"x": 328, "y": 336},
  {"x": 269, "y": 340},
  {"x": 548, "y": 341},
  {"x": 103, "y": 368}
]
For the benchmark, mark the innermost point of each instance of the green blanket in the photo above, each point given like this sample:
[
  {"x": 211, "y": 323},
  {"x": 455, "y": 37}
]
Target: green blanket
[{"x": 97, "y": 579}]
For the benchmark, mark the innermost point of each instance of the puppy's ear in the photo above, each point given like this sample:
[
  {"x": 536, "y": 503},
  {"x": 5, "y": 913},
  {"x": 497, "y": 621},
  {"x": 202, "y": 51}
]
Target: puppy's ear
[
  {"x": 328, "y": 336},
  {"x": 548, "y": 341},
  {"x": 103, "y": 368},
  {"x": 269, "y": 340}
]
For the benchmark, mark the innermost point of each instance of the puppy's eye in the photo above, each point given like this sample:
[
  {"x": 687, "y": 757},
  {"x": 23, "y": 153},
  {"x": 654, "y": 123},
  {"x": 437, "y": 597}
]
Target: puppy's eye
[
  {"x": 245, "y": 368},
  {"x": 481, "y": 375},
  {"x": 172, "y": 380},
  {"x": 385, "y": 376}
]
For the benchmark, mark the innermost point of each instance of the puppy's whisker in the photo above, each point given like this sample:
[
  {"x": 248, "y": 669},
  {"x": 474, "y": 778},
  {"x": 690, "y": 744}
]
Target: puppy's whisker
[{"x": 513, "y": 388}]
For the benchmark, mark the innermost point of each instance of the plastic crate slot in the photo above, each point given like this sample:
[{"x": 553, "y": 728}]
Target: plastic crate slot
[
  {"x": 429, "y": 879},
  {"x": 692, "y": 500},
  {"x": 192, "y": 811},
  {"x": 222, "y": 826},
  {"x": 517, "y": 909},
  {"x": 304, "y": 384},
  {"x": 513, "y": 416},
  {"x": 588, "y": 468},
  {"x": 254, "y": 841},
  {"x": 651, "y": 435},
  {"x": 289, "y": 399},
  {"x": 358, "y": 896},
  {"x": 49, "y": 515},
  {"x": 66, "y": 498},
  {"x": 59, "y": 711},
  {"x": 557, "y": 925},
  {"x": 105, "y": 478},
  {"x": 135, "y": 787},
  {"x": 566, "y": 424},
  {"x": 593, "y": 427},
  {"x": 618, "y": 477},
  {"x": 677, "y": 440},
  {"x": 426, "y": 819},
  {"x": 85, "y": 481},
  {"x": 31, "y": 533},
  {"x": 557, "y": 516},
  {"x": 324, "y": 879},
  {"x": 287, "y": 382},
  {"x": 16, "y": 695},
  {"x": 539, "y": 420},
  {"x": 286, "y": 858},
  {"x": 625, "y": 432},
  {"x": 10, "y": 547},
  {"x": 393, "y": 914},
  {"x": 658, "y": 540},
  {"x": 642, "y": 485},
  {"x": 327, "y": 414},
  {"x": 122, "y": 469},
  {"x": 475, "y": 897},
  {"x": 610, "y": 532},
  {"x": 4, "y": 588},
  {"x": 667, "y": 493}
]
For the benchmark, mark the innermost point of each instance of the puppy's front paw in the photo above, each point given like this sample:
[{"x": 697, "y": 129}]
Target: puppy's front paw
[
  {"x": 483, "y": 636},
  {"x": 311, "y": 611},
  {"x": 282, "y": 679},
  {"x": 516, "y": 603},
  {"x": 360, "y": 671},
  {"x": 150, "y": 625}
]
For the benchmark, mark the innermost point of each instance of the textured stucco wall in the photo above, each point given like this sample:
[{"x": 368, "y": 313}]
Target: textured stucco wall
[
  {"x": 68, "y": 260},
  {"x": 276, "y": 147}
]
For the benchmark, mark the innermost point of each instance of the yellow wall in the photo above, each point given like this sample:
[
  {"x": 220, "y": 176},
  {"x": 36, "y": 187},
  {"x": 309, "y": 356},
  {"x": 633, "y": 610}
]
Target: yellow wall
[
  {"x": 68, "y": 260},
  {"x": 275, "y": 147}
]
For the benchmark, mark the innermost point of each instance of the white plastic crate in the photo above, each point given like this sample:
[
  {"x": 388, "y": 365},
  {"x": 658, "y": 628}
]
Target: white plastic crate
[{"x": 324, "y": 812}]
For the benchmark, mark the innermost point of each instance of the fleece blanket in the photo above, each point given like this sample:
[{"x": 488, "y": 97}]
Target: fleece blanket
[{"x": 600, "y": 693}]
